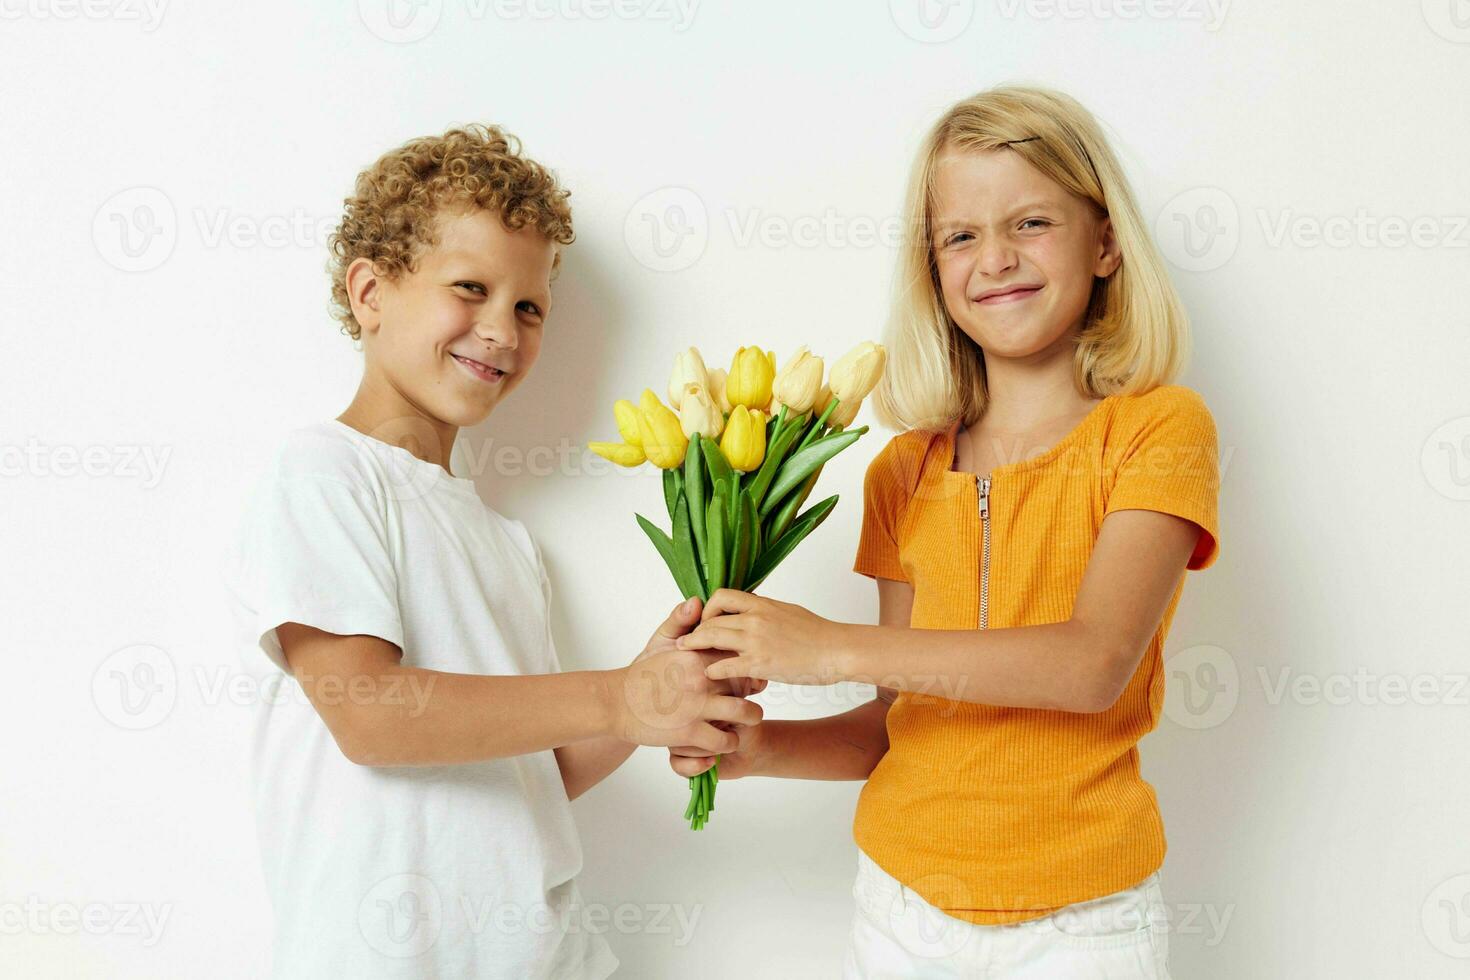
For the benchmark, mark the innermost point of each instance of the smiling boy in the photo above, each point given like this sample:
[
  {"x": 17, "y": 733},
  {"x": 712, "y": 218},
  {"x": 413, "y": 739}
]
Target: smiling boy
[{"x": 412, "y": 809}]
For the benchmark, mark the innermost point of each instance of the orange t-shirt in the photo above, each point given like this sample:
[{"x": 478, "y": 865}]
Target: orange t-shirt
[{"x": 998, "y": 814}]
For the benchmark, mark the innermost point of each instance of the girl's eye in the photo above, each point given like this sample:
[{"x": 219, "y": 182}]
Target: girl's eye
[
  {"x": 958, "y": 238},
  {"x": 531, "y": 308},
  {"x": 1038, "y": 222}
]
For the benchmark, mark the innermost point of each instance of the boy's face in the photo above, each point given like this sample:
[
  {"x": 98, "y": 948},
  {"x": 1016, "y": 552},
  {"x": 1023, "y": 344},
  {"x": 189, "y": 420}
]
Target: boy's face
[
  {"x": 462, "y": 330},
  {"x": 1017, "y": 254}
]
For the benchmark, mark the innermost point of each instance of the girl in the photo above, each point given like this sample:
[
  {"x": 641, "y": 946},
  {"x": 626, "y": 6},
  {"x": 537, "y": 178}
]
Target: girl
[{"x": 1029, "y": 531}]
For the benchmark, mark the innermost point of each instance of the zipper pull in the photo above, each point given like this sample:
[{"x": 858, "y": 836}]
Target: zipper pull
[{"x": 982, "y": 483}]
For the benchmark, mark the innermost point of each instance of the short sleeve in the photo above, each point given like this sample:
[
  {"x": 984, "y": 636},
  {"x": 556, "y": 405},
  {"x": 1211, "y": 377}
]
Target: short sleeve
[
  {"x": 546, "y": 598},
  {"x": 315, "y": 551},
  {"x": 1170, "y": 464},
  {"x": 887, "y": 486}
]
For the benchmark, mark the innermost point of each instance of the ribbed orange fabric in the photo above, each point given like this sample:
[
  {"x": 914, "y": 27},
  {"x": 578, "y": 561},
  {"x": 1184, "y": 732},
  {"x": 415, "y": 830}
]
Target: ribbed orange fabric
[{"x": 999, "y": 814}]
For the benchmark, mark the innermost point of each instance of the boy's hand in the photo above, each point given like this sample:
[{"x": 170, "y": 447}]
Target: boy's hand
[
  {"x": 664, "y": 697},
  {"x": 691, "y": 760}
]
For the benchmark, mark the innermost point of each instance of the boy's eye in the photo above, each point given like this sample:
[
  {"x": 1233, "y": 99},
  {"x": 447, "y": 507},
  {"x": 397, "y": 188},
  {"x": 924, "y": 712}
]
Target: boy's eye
[
  {"x": 527, "y": 306},
  {"x": 1037, "y": 222},
  {"x": 473, "y": 287}
]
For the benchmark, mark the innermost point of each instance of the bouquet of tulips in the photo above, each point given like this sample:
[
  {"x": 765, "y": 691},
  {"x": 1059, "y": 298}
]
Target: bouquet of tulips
[{"x": 740, "y": 453}]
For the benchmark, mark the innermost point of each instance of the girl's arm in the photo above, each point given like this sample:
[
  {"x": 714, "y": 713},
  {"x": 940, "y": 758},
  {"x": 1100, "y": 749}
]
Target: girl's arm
[
  {"x": 1081, "y": 664},
  {"x": 845, "y": 746}
]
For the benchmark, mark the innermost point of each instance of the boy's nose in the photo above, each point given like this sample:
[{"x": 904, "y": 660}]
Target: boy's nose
[{"x": 499, "y": 331}]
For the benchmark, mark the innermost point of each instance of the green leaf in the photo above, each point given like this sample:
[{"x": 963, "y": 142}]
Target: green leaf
[
  {"x": 775, "y": 453},
  {"x": 815, "y": 432},
  {"x": 716, "y": 556},
  {"x": 694, "y": 492},
  {"x": 686, "y": 566},
  {"x": 786, "y": 543},
  {"x": 720, "y": 472},
  {"x": 673, "y": 480},
  {"x": 746, "y": 527},
  {"x": 778, "y": 522},
  {"x": 802, "y": 465},
  {"x": 665, "y": 546}
]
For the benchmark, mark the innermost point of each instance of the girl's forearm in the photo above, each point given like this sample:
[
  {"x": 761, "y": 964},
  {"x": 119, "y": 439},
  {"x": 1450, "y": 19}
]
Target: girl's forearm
[
  {"x": 1057, "y": 666},
  {"x": 845, "y": 746}
]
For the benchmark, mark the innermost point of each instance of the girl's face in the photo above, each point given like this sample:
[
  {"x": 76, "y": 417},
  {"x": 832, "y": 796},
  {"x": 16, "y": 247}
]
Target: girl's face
[{"x": 1016, "y": 252}]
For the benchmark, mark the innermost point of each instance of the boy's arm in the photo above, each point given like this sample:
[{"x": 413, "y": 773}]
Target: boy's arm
[
  {"x": 585, "y": 764},
  {"x": 382, "y": 713},
  {"x": 845, "y": 746}
]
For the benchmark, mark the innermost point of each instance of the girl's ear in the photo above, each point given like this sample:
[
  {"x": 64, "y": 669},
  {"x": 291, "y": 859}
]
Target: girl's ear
[
  {"x": 1109, "y": 255},
  {"x": 365, "y": 294}
]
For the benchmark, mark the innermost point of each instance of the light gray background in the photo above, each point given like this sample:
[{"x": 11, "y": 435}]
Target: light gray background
[{"x": 167, "y": 179}]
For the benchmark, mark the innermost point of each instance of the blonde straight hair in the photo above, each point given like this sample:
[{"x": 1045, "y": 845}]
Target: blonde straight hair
[{"x": 1135, "y": 335}]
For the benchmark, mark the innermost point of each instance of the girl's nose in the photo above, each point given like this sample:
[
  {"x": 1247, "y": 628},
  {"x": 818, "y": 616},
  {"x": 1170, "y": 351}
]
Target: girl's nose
[{"x": 994, "y": 258}]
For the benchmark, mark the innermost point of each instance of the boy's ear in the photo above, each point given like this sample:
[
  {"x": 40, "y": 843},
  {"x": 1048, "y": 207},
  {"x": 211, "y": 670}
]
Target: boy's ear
[{"x": 365, "y": 294}]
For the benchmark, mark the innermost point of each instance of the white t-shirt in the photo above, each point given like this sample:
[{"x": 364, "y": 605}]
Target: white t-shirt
[{"x": 401, "y": 872}]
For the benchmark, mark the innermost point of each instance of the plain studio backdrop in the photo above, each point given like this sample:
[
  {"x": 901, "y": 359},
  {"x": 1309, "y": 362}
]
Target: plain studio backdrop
[{"x": 169, "y": 176}]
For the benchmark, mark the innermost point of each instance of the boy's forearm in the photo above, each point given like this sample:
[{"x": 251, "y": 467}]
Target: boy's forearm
[
  {"x": 410, "y": 716},
  {"x": 585, "y": 764},
  {"x": 845, "y": 746}
]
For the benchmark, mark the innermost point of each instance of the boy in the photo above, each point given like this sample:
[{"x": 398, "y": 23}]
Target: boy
[{"x": 412, "y": 806}]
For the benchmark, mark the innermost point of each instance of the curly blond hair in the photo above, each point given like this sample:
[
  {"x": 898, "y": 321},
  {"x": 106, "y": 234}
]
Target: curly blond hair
[{"x": 389, "y": 219}]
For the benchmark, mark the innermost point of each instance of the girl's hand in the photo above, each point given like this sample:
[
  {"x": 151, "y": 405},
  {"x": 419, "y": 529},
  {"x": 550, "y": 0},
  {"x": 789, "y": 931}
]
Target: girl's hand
[
  {"x": 774, "y": 641},
  {"x": 690, "y": 760}
]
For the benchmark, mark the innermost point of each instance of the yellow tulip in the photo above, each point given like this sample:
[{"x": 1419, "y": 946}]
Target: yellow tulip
[
  {"x": 697, "y": 413},
  {"x": 662, "y": 437},
  {"x": 857, "y": 372},
  {"x": 627, "y": 415},
  {"x": 798, "y": 383},
  {"x": 749, "y": 381},
  {"x": 744, "y": 444},
  {"x": 688, "y": 369},
  {"x": 717, "y": 390},
  {"x": 621, "y": 453}
]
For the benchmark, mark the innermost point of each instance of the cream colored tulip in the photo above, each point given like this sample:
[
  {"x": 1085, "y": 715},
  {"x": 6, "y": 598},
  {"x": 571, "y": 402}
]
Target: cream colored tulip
[
  {"x": 844, "y": 413},
  {"x": 857, "y": 372},
  {"x": 717, "y": 390},
  {"x": 698, "y": 413},
  {"x": 799, "y": 382},
  {"x": 688, "y": 369}
]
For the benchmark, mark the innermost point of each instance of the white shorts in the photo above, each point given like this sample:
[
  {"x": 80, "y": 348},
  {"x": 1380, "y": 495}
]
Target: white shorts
[{"x": 896, "y": 934}]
